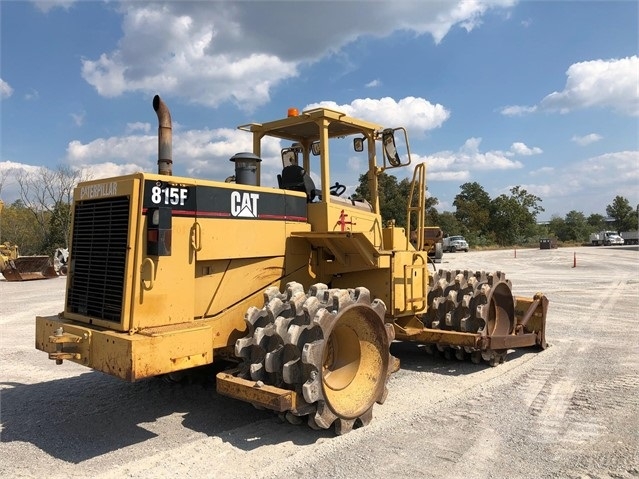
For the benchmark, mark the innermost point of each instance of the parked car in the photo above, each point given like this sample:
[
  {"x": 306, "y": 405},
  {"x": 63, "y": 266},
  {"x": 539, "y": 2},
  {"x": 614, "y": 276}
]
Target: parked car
[{"x": 455, "y": 243}]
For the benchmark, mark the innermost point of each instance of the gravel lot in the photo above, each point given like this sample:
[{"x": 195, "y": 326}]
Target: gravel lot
[{"x": 571, "y": 411}]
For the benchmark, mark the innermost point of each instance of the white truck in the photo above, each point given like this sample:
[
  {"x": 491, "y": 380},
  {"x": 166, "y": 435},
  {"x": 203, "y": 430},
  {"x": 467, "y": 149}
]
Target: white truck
[
  {"x": 455, "y": 243},
  {"x": 606, "y": 238},
  {"x": 630, "y": 237}
]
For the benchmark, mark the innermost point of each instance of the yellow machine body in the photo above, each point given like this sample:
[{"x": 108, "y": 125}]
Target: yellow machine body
[
  {"x": 133, "y": 313},
  {"x": 169, "y": 273}
]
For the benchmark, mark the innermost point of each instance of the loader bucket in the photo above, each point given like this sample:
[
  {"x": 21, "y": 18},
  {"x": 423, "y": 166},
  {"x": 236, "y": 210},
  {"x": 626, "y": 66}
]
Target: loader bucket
[{"x": 28, "y": 268}]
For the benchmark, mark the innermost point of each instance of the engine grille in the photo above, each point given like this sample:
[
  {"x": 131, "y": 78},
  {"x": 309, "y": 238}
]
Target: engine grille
[{"x": 98, "y": 258}]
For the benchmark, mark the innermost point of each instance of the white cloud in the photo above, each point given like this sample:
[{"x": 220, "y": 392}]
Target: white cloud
[
  {"x": 209, "y": 81},
  {"x": 8, "y": 166},
  {"x": 416, "y": 114},
  {"x": 5, "y": 89},
  {"x": 456, "y": 176},
  {"x": 117, "y": 150},
  {"x": 109, "y": 169},
  {"x": 237, "y": 51},
  {"x": 607, "y": 169},
  {"x": 9, "y": 172},
  {"x": 46, "y": 5},
  {"x": 599, "y": 83},
  {"x": 586, "y": 139},
  {"x": 543, "y": 171},
  {"x": 516, "y": 110},
  {"x": 466, "y": 14},
  {"x": 592, "y": 84},
  {"x": 519, "y": 148},
  {"x": 138, "y": 126},
  {"x": 595, "y": 181},
  {"x": 449, "y": 165},
  {"x": 207, "y": 153},
  {"x": 373, "y": 84},
  {"x": 196, "y": 153}
]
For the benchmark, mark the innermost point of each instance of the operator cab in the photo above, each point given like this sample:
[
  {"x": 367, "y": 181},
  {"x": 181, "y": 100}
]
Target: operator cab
[
  {"x": 323, "y": 143},
  {"x": 295, "y": 177}
]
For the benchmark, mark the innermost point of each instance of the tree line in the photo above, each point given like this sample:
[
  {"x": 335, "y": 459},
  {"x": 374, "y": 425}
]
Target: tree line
[
  {"x": 39, "y": 221},
  {"x": 506, "y": 220},
  {"x": 575, "y": 226}
]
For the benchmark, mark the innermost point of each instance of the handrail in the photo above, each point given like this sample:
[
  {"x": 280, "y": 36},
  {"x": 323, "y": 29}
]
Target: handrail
[{"x": 418, "y": 183}]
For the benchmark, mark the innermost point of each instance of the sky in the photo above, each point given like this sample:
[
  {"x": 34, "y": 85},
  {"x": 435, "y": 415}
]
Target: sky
[{"x": 541, "y": 95}]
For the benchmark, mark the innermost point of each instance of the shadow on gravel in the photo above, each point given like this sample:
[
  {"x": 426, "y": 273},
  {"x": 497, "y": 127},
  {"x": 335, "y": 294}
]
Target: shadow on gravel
[
  {"x": 79, "y": 418},
  {"x": 415, "y": 357}
]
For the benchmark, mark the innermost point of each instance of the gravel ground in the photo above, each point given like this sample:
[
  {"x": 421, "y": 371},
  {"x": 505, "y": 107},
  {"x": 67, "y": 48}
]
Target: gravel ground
[{"x": 568, "y": 412}]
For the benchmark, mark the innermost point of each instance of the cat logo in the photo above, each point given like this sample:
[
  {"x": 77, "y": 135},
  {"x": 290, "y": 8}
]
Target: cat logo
[{"x": 244, "y": 205}]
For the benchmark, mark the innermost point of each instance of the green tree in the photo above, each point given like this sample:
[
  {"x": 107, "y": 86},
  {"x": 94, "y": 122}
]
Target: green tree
[
  {"x": 20, "y": 227},
  {"x": 59, "y": 227},
  {"x": 513, "y": 219},
  {"x": 393, "y": 200},
  {"x": 44, "y": 193},
  {"x": 473, "y": 208},
  {"x": 576, "y": 227},
  {"x": 393, "y": 197},
  {"x": 557, "y": 227},
  {"x": 622, "y": 214},
  {"x": 504, "y": 212},
  {"x": 432, "y": 216},
  {"x": 543, "y": 231},
  {"x": 449, "y": 224},
  {"x": 596, "y": 222}
]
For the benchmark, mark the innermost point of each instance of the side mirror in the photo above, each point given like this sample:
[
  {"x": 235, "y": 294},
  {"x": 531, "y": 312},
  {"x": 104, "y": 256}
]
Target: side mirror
[
  {"x": 392, "y": 149},
  {"x": 315, "y": 148},
  {"x": 358, "y": 144}
]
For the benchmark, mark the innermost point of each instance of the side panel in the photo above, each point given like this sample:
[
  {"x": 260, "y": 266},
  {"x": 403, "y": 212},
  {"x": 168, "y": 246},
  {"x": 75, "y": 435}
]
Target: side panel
[
  {"x": 228, "y": 242},
  {"x": 335, "y": 216},
  {"x": 244, "y": 275},
  {"x": 241, "y": 221},
  {"x": 164, "y": 289}
]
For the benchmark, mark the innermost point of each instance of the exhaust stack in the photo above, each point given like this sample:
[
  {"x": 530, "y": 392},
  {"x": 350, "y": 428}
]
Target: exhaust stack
[{"x": 165, "y": 137}]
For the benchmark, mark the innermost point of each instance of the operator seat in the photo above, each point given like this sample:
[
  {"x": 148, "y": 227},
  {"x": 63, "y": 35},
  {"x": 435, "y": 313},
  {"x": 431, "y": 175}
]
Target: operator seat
[{"x": 295, "y": 178}]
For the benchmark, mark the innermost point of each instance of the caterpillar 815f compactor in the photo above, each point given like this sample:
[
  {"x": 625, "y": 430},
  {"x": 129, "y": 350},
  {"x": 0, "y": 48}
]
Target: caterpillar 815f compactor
[{"x": 303, "y": 288}]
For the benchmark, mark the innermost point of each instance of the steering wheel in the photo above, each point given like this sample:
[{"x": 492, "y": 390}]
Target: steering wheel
[{"x": 337, "y": 189}]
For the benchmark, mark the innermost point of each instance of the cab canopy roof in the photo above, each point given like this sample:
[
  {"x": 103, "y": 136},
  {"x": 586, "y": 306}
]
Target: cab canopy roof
[{"x": 305, "y": 126}]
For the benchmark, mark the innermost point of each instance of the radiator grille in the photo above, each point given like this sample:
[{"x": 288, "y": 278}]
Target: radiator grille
[{"x": 98, "y": 258}]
